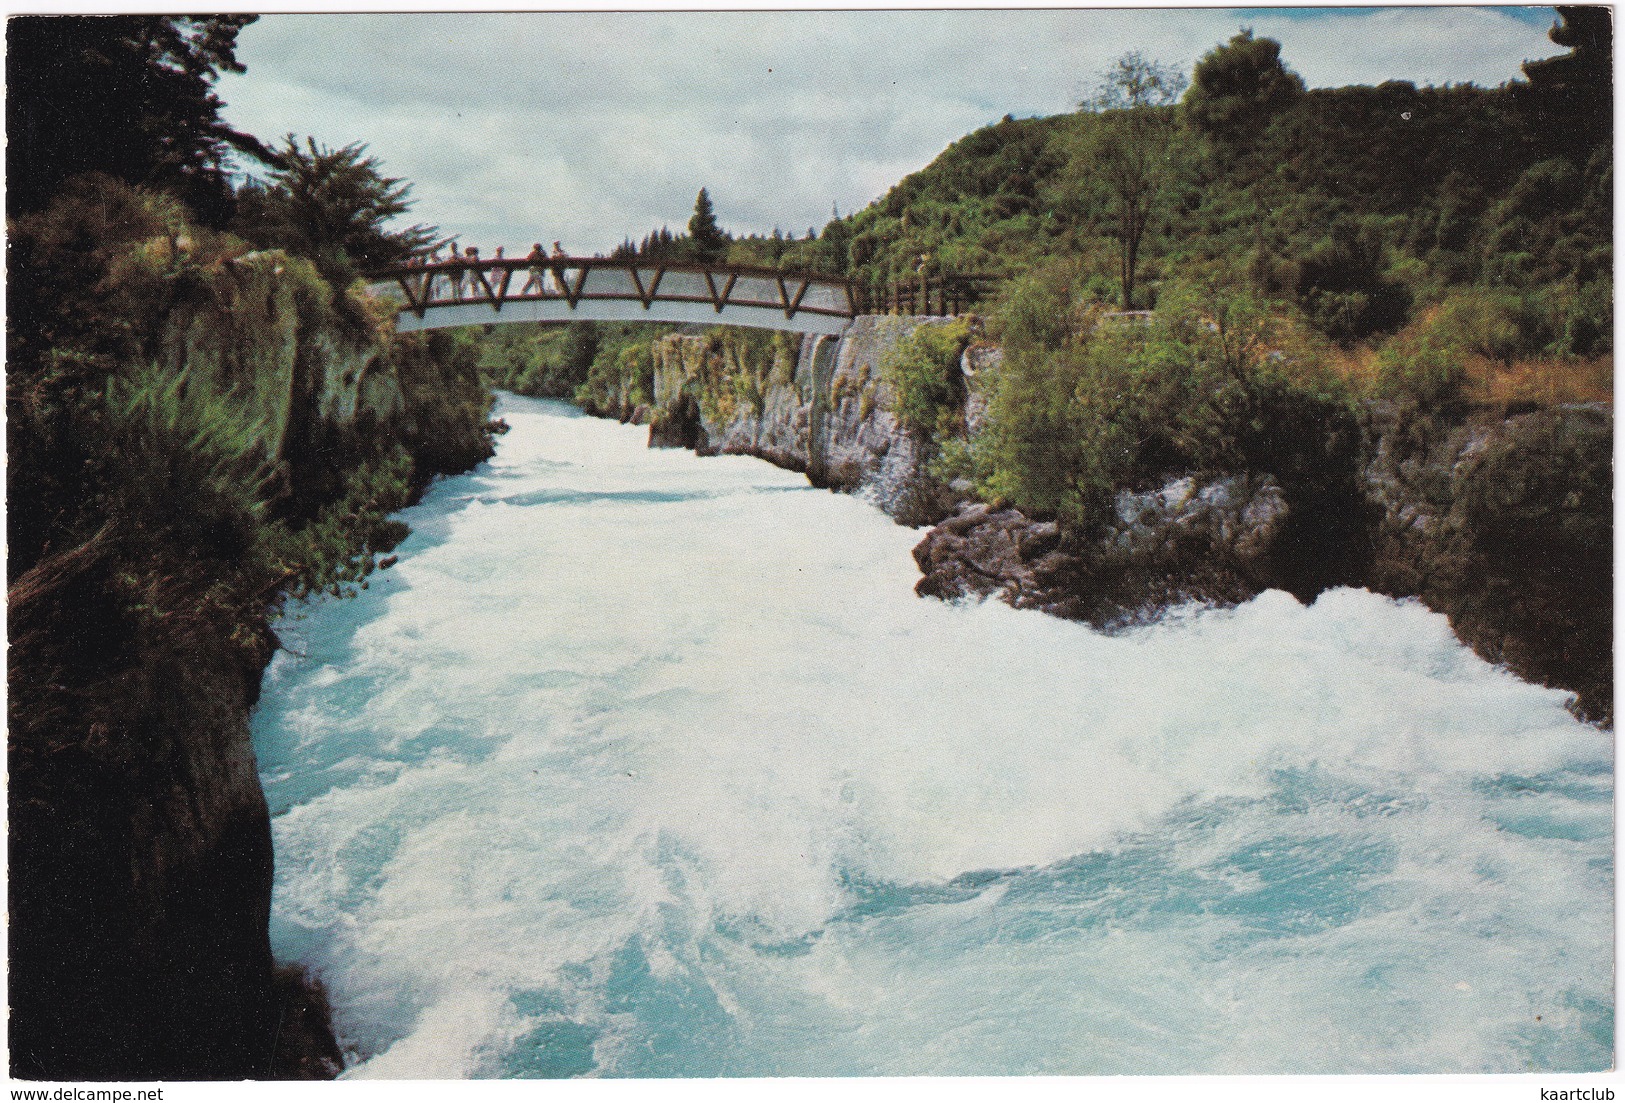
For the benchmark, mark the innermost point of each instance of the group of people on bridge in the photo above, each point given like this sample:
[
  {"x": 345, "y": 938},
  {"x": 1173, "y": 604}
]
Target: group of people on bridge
[{"x": 459, "y": 265}]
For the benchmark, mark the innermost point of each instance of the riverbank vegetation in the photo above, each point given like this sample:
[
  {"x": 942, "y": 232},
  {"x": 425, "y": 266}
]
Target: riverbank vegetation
[
  {"x": 1478, "y": 217},
  {"x": 604, "y": 367},
  {"x": 207, "y": 414},
  {"x": 1447, "y": 249}
]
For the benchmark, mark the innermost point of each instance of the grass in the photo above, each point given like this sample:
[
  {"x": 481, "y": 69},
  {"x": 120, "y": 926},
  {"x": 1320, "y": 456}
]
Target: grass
[
  {"x": 1493, "y": 384},
  {"x": 1552, "y": 382}
]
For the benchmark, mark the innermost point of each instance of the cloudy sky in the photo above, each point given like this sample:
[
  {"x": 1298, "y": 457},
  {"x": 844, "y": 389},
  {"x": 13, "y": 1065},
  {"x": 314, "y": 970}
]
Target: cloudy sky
[{"x": 593, "y": 126}]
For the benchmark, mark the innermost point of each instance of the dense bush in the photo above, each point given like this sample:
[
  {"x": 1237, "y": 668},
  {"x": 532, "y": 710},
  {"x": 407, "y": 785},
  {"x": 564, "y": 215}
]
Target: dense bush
[
  {"x": 1050, "y": 437},
  {"x": 1364, "y": 206},
  {"x": 620, "y": 374},
  {"x": 1087, "y": 403},
  {"x": 1422, "y": 371},
  {"x": 924, "y": 374},
  {"x": 538, "y": 360},
  {"x": 337, "y": 547},
  {"x": 605, "y": 367},
  {"x": 153, "y": 390}
]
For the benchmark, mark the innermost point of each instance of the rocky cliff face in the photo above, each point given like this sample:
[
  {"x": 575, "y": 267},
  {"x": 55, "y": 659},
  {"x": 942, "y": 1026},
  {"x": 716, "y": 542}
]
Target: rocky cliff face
[
  {"x": 140, "y": 857},
  {"x": 823, "y": 408},
  {"x": 1503, "y": 524},
  {"x": 1185, "y": 542},
  {"x": 1506, "y": 526},
  {"x": 140, "y": 868}
]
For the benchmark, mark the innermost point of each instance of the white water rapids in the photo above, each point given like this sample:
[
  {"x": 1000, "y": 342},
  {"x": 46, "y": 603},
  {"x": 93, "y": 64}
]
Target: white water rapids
[{"x": 643, "y": 764}]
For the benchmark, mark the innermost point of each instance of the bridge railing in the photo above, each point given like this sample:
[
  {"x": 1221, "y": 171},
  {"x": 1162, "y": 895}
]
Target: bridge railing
[
  {"x": 947, "y": 294},
  {"x": 558, "y": 288},
  {"x": 574, "y": 280}
]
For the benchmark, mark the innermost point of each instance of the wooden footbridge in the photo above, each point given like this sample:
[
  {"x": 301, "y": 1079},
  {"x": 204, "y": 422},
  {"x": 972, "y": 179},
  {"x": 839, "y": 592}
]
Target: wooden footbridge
[{"x": 599, "y": 289}]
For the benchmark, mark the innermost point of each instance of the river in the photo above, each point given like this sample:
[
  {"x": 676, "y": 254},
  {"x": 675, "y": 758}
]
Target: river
[{"x": 643, "y": 764}]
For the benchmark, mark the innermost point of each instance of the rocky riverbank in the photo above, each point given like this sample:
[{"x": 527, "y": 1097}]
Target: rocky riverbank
[
  {"x": 194, "y": 426},
  {"x": 1502, "y": 523}
]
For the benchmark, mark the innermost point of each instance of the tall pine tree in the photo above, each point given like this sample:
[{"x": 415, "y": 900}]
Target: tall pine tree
[{"x": 710, "y": 243}]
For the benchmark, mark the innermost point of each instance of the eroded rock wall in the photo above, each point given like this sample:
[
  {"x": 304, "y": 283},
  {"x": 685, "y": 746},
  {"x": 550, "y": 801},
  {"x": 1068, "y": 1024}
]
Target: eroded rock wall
[
  {"x": 1188, "y": 541},
  {"x": 823, "y": 407},
  {"x": 1506, "y": 526}
]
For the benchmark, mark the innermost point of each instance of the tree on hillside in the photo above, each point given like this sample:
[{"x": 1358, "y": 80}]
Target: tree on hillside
[
  {"x": 332, "y": 205},
  {"x": 1237, "y": 88},
  {"x": 1128, "y": 151},
  {"x": 1571, "y": 96},
  {"x": 710, "y": 243},
  {"x": 130, "y": 96}
]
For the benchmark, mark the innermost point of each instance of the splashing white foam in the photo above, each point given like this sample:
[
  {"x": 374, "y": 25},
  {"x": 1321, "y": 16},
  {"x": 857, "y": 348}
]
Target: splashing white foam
[{"x": 646, "y": 764}]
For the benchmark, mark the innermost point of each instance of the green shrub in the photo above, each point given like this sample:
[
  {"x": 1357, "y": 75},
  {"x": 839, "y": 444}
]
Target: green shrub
[
  {"x": 1582, "y": 317},
  {"x": 923, "y": 371},
  {"x": 1342, "y": 286},
  {"x": 185, "y": 460},
  {"x": 1038, "y": 446},
  {"x": 636, "y": 367},
  {"x": 1222, "y": 381},
  {"x": 1422, "y": 372},
  {"x": 1497, "y": 325},
  {"x": 335, "y": 549}
]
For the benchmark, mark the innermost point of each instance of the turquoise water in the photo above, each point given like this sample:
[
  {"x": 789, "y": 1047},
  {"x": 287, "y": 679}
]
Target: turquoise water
[{"x": 641, "y": 764}]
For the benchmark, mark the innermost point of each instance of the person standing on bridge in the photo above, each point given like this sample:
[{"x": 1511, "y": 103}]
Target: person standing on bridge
[
  {"x": 471, "y": 260},
  {"x": 538, "y": 269},
  {"x": 454, "y": 269},
  {"x": 498, "y": 276},
  {"x": 558, "y": 273}
]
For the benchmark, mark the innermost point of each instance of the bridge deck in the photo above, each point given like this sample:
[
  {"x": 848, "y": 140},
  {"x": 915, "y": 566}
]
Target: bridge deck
[{"x": 563, "y": 289}]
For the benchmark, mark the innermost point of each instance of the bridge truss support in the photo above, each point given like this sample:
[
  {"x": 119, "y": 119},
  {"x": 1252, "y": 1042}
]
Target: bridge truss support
[{"x": 566, "y": 289}]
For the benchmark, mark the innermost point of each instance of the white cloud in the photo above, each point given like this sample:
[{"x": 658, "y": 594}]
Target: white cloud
[
  {"x": 596, "y": 126},
  {"x": 1422, "y": 45}
]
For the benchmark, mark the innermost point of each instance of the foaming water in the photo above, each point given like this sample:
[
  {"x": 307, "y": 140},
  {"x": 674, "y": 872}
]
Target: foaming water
[{"x": 641, "y": 764}]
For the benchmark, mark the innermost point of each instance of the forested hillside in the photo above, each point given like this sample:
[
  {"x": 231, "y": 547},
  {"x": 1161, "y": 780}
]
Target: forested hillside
[
  {"x": 1366, "y": 207},
  {"x": 1454, "y": 239}
]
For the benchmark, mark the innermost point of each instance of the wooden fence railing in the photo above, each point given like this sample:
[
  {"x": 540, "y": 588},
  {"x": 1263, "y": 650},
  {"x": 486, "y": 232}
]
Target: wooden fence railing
[{"x": 938, "y": 295}]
